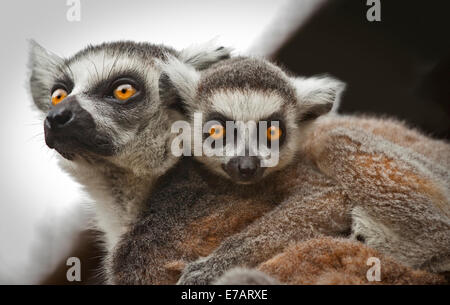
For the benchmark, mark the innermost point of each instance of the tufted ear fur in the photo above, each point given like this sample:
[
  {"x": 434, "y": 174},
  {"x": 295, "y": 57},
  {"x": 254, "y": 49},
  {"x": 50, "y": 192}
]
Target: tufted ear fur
[
  {"x": 178, "y": 85},
  {"x": 43, "y": 66},
  {"x": 202, "y": 56},
  {"x": 317, "y": 95},
  {"x": 180, "y": 76}
]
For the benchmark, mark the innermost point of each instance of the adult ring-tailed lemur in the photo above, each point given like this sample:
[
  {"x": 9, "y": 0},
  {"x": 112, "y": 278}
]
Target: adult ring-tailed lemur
[{"x": 102, "y": 114}]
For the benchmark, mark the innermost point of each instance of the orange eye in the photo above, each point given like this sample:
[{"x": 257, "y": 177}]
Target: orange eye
[
  {"x": 216, "y": 131},
  {"x": 124, "y": 92},
  {"x": 274, "y": 133},
  {"x": 58, "y": 95}
]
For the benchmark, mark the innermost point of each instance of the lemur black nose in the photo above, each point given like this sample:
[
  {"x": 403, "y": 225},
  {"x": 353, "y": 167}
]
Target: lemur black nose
[
  {"x": 247, "y": 167},
  {"x": 59, "y": 117}
]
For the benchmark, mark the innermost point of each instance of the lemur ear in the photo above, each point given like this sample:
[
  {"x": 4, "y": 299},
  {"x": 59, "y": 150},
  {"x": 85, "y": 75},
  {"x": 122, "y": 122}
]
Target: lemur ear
[
  {"x": 43, "y": 65},
  {"x": 180, "y": 76},
  {"x": 317, "y": 95},
  {"x": 202, "y": 56},
  {"x": 178, "y": 85}
]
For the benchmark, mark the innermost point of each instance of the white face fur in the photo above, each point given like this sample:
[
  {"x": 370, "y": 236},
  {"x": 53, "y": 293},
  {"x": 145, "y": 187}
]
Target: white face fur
[{"x": 275, "y": 121}]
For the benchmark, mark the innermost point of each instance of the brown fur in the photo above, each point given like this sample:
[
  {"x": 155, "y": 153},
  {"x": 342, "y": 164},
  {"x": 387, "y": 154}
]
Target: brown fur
[
  {"x": 393, "y": 178},
  {"x": 402, "y": 192},
  {"x": 338, "y": 261},
  {"x": 205, "y": 234},
  {"x": 214, "y": 209},
  {"x": 303, "y": 204}
]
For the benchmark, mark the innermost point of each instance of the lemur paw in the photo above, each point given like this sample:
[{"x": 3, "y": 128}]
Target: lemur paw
[{"x": 200, "y": 272}]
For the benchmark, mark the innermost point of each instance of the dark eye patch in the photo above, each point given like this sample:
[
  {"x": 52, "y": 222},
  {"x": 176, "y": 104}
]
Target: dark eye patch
[
  {"x": 276, "y": 117},
  {"x": 104, "y": 89},
  {"x": 217, "y": 116},
  {"x": 63, "y": 82}
]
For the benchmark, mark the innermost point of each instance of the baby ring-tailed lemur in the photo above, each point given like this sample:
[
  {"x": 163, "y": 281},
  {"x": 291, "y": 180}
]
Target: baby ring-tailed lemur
[
  {"x": 102, "y": 114},
  {"x": 265, "y": 111},
  {"x": 405, "y": 217},
  {"x": 193, "y": 211}
]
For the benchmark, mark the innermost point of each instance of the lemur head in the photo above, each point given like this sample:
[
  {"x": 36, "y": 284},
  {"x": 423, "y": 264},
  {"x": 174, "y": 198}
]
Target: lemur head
[
  {"x": 274, "y": 108},
  {"x": 103, "y": 102}
]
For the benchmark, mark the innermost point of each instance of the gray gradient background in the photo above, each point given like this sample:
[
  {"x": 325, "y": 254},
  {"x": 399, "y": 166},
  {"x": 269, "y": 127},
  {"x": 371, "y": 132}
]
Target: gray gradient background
[{"x": 40, "y": 206}]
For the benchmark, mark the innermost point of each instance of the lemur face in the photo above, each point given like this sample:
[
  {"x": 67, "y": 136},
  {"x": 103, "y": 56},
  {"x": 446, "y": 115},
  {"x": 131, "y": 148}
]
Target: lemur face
[
  {"x": 252, "y": 133},
  {"x": 253, "y": 114},
  {"x": 103, "y": 101}
]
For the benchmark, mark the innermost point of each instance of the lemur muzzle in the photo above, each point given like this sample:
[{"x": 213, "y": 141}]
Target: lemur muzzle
[{"x": 69, "y": 129}]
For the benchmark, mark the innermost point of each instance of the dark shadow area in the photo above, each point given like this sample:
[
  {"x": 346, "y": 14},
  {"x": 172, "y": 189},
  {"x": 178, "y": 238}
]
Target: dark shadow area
[
  {"x": 90, "y": 253},
  {"x": 399, "y": 66}
]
